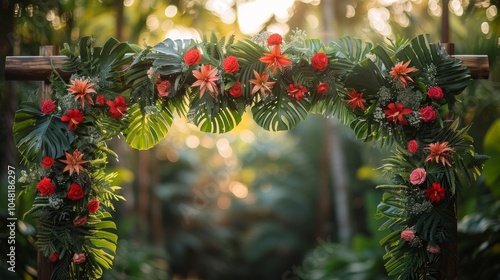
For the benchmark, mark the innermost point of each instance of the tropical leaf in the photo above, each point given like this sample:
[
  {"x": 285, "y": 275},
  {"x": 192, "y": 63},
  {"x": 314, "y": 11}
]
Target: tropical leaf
[
  {"x": 37, "y": 134},
  {"x": 214, "y": 116},
  {"x": 101, "y": 243},
  {"x": 280, "y": 113},
  {"x": 146, "y": 129},
  {"x": 167, "y": 56}
]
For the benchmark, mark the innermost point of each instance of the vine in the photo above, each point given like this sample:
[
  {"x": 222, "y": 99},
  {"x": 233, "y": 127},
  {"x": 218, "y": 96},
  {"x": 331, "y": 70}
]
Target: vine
[{"x": 400, "y": 95}]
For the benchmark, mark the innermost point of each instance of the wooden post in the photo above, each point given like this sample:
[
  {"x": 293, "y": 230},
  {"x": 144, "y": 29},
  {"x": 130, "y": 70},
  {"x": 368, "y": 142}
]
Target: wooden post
[{"x": 44, "y": 265}]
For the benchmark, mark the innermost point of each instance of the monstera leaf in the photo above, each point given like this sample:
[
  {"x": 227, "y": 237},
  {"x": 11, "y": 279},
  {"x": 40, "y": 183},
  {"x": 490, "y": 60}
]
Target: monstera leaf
[
  {"x": 146, "y": 129},
  {"x": 37, "y": 134},
  {"x": 213, "y": 116},
  {"x": 280, "y": 113},
  {"x": 167, "y": 56}
]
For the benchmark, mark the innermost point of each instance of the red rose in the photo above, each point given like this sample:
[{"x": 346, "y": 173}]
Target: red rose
[
  {"x": 235, "y": 90},
  {"x": 319, "y": 61},
  {"x": 412, "y": 146},
  {"x": 54, "y": 257},
  {"x": 75, "y": 192},
  {"x": 274, "y": 40},
  {"x": 79, "y": 221},
  {"x": 47, "y": 162},
  {"x": 192, "y": 57},
  {"x": 230, "y": 64},
  {"x": 79, "y": 258},
  {"x": 427, "y": 114},
  {"x": 162, "y": 88},
  {"x": 48, "y": 106},
  {"x": 322, "y": 88},
  {"x": 117, "y": 108},
  {"x": 101, "y": 100},
  {"x": 93, "y": 206},
  {"x": 45, "y": 187},
  {"x": 435, "y": 93}
]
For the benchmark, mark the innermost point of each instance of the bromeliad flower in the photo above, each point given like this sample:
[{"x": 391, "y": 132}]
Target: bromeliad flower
[
  {"x": 439, "y": 152},
  {"x": 81, "y": 89},
  {"x": 73, "y": 117},
  {"x": 261, "y": 84},
  {"x": 400, "y": 72},
  {"x": 206, "y": 79},
  {"x": 74, "y": 162},
  {"x": 275, "y": 59},
  {"x": 396, "y": 113},
  {"x": 356, "y": 100},
  {"x": 435, "y": 193}
]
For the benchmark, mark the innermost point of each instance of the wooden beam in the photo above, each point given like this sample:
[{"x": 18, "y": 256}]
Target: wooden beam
[{"x": 39, "y": 68}]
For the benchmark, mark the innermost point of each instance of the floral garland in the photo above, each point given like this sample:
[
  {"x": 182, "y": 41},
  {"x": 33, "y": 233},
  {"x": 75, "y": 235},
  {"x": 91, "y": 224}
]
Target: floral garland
[{"x": 399, "y": 95}]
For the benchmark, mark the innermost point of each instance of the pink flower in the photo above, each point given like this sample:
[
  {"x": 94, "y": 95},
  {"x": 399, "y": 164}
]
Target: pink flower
[
  {"x": 408, "y": 234},
  {"x": 435, "y": 93},
  {"x": 418, "y": 176},
  {"x": 79, "y": 221},
  {"x": 427, "y": 114},
  {"x": 412, "y": 146},
  {"x": 48, "y": 107},
  {"x": 162, "y": 88},
  {"x": 433, "y": 249},
  {"x": 79, "y": 258}
]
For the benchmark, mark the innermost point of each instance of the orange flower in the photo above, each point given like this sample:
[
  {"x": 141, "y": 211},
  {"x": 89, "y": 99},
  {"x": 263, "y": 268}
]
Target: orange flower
[
  {"x": 400, "y": 71},
  {"x": 396, "y": 113},
  {"x": 206, "y": 79},
  {"x": 275, "y": 59},
  {"x": 356, "y": 100},
  {"x": 74, "y": 162},
  {"x": 261, "y": 83},
  {"x": 439, "y": 152},
  {"x": 81, "y": 89}
]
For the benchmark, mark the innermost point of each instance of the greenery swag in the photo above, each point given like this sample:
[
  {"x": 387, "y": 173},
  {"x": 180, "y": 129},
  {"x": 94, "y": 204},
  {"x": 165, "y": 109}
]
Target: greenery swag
[{"x": 400, "y": 95}]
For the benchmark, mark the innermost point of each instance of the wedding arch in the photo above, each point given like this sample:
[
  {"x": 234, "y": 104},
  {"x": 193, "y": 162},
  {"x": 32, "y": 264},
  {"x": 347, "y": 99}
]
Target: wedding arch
[{"x": 400, "y": 95}]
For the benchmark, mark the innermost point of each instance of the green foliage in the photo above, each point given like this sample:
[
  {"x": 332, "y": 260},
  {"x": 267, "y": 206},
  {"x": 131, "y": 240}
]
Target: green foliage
[
  {"x": 491, "y": 148},
  {"x": 37, "y": 134},
  {"x": 215, "y": 116},
  {"x": 146, "y": 129}
]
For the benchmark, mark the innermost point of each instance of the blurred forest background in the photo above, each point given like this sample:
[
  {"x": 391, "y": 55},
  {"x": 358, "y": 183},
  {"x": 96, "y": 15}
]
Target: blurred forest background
[{"x": 251, "y": 204}]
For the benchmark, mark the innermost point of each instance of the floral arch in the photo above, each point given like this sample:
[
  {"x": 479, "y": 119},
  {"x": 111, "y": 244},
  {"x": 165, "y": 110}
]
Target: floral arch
[{"x": 400, "y": 95}]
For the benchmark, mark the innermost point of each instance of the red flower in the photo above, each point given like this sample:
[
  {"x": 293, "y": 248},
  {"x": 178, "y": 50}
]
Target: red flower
[
  {"x": 45, "y": 187},
  {"x": 192, "y": 57},
  {"x": 356, "y": 100},
  {"x": 319, "y": 61},
  {"x": 82, "y": 89},
  {"x": 235, "y": 90},
  {"x": 427, "y": 114},
  {"x": 79, "y": 258},
  {"x": 101, "y": 100},
  {"x": 400, "y": 72},
  {"x": 396, "y": 113},
  {"x": 434, "y": 193},
  {"x": 412, "y": 146},
  {"x": 74, "y": 118},
  {"x": 54, "y": 257},
  {"x": 93, "y": 206},
  {"x": 118, "y": 108},
  {"x": 163, "y": 87},
  {"x": 75, "y": 192},
  {"x": 275, "y": 59},
  {"x": 230, "y": 64},
  {"x": 261, "y": 84},
  {"x": 322, "y": 88},
  {"x": 79, "y": 221},
  {"x": 206, "y": 79},
  {"x": 47, "y": 162},
  {"x": 48, "y": 107},
  {"x": 439, "y": 152},
  {"x": 297, "y": 91},
  {"x": 274, "y": 40},
  {"x": 435, "y": 93}
]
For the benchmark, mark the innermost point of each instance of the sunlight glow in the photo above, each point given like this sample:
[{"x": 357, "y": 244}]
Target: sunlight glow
[
  {"x": 171, "y": 11},
  {"x": 253, "y": 14},
  {"x": 192, "y": 141},
  {"x": 491, "y": 12},
  {"x": 485, "y": 27},
  {"x": 238, "y": 189}
]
